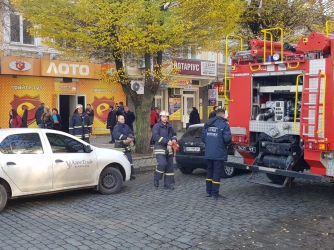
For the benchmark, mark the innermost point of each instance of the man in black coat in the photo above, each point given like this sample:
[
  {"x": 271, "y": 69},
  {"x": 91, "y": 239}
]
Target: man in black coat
[
  {"x": 38, "y": 115},
  {"x": 120, "y": 110},
  {"x": 129, "y": 117},
  {"x": 111, "y": 122}
]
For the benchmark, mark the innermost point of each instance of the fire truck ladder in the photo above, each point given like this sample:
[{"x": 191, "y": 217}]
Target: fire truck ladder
[{"x": 312, "y": 106}]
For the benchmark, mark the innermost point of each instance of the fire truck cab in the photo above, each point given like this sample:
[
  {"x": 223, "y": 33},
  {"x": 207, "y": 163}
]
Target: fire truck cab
[{"x": 281, "y": 108}]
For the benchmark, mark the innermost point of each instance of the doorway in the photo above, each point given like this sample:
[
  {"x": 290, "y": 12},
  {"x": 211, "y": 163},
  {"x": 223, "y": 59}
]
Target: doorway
[
  {"x": 66, "y": 107},
  {"x": 188, "y": 103}
]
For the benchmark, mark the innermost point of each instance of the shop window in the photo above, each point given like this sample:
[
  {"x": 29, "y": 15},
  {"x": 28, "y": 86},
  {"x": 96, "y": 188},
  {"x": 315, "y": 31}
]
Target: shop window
[{"x": 19, "y": 30}]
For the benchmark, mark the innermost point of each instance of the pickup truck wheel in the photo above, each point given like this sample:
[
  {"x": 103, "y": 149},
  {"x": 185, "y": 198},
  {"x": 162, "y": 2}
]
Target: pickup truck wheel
[
  {"x": 3, "y": 197},
  {"x": 111, "y": 181},
  {"x": 185, "y": 170},
  {"x": 228, "y": 172}
]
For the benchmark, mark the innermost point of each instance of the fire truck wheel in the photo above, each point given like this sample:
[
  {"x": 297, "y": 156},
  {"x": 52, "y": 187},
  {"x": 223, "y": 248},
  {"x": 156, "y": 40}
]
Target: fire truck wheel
[
  {"x": 278, "y": 179},
  {"x": 228, "y": 172}
]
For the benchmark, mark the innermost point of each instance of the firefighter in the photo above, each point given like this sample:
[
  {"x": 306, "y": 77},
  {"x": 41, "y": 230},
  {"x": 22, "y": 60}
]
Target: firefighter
[
  {"x": 80, "y": 125},
  {"x": 124, "y": 137},
  {"x": 163, "y": 137},
  {"x": 216, "y": 136}
]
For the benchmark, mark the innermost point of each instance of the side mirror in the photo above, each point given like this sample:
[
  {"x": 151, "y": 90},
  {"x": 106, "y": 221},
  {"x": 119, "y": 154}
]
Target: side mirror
[{"x": 88, "y": 149}]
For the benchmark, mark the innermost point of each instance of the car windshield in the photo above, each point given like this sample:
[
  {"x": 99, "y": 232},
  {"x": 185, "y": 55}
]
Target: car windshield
[{"x": 193, "y": 133}]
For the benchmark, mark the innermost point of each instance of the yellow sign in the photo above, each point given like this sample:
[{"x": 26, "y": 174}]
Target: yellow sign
[{"x": 174, "y": 109}]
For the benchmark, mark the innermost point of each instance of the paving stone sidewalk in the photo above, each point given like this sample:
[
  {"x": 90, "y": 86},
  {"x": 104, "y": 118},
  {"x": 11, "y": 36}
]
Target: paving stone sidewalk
[{"x": 141, "y": 162}]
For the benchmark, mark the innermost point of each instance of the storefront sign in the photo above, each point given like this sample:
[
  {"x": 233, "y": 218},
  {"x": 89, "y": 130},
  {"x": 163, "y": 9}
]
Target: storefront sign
[
  {"x": 70, "y": 69},
  {"x": 174, "y": 82},
  {"x": 208, "y": 69},
  {"x": 193, "y": 67},
  {"x": 66, "y": 88},
  {"x": 20, "y": 66},
  {"x": 187, "y": 67},
  {"x": 174, "y": 109}
]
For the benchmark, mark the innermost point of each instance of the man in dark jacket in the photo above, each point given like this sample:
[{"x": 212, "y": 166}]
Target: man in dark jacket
[
  {"x": 213, "y": 113},
  {"x": 123, "y": 138},
  {"x": 129, "y": 117},
  {"x": 80, "y": 125},
  {"x": 111, "y": 121},
  {"x": 216, "y": 136},
  {"x": 38, "y": 115},
  {"x": 120, "y": 110},
  {"x": 163, "y": 135}
]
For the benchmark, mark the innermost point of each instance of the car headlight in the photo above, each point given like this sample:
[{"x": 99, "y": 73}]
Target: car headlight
[{"x": 126, "y": 156}]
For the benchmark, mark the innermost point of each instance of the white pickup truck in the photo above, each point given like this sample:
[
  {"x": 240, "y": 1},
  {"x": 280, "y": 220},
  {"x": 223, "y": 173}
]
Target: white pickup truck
[{"x": 39, "y": 161}]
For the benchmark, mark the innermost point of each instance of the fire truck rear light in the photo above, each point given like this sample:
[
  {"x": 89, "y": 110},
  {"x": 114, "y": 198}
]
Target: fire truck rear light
[
  {"x": 316, "y": 146},
  {"x": 239, "y": 138}
]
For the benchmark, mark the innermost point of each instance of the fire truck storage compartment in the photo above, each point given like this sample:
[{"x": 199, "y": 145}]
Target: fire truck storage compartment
[{"x": 274, "y": 97}]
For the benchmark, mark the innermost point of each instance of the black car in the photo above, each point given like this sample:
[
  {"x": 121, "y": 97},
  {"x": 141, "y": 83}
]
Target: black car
[{"x": 191, "y": 153}]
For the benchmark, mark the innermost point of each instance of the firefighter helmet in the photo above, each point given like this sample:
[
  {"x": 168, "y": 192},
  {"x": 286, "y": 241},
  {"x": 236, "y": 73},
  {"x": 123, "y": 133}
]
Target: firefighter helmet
[{"x": 163, "y": 112}]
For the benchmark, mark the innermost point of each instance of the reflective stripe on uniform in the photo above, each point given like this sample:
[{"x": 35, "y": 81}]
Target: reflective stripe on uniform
[
  {"x": 89, "y": 126},
  {"x": 120, "y": 149},
  {"x": 215, "y": 182},
  {"x": 207, "y": 179},
  {"x": 86, "y": 135},
  {"x": 120, "y": 136},
  {"x": 160, "y": 139},
  {"x": 70, "y": 128},
  {"x": 77, "y": 126},
  {"x": 159, "y": 152},
  {"x": 169, "y": 173},
  {"x": 161, "y": 172},
  {"x": 79, "y": 136}
]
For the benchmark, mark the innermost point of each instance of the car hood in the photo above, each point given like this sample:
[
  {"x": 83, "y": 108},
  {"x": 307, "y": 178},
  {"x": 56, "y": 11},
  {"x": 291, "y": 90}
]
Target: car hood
[{"x": 107, "y": 156}]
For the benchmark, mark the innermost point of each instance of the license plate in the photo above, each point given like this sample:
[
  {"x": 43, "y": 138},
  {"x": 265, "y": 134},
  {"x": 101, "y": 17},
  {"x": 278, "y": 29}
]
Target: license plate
[{"x": 192, "y": 149}]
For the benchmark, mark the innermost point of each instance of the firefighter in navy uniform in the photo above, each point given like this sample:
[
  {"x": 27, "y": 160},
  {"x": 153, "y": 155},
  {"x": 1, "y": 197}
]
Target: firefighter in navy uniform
[
  {"x": 124, "y": 137},
  {"x": 80, "y": 125},
  {"x": 163, "y": 135},
  {"x": 216, "y": 136}
]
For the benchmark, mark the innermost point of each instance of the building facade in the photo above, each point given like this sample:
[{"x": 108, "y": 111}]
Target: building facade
[{"x": 32, "y": 73}]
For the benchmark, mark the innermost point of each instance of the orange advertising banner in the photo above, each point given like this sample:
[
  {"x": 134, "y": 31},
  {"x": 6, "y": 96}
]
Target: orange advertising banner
[
  {"x": 70, "y": 69},
  {"x": 20, "y": 66}
]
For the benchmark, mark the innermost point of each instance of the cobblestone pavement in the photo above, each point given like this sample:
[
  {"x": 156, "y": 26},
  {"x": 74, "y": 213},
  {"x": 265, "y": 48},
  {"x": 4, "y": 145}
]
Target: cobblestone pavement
[{"x": 142, "y": 217}]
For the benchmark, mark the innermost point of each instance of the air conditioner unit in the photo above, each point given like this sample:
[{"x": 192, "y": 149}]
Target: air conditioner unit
[
  {"x": 138, "y": 86},
  {"x": 141, "y": 64}
]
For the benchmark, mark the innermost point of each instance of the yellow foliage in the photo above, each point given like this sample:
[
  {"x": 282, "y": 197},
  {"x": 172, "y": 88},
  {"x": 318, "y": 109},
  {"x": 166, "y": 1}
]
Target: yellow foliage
[{"x": 112, "y": 28}]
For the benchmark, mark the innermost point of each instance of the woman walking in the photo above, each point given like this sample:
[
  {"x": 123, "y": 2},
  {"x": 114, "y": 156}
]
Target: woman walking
[
  {"x": 15, "y": 120},
  {"x": 47, "y": 118},
  {"x": 56, "y": 119}
]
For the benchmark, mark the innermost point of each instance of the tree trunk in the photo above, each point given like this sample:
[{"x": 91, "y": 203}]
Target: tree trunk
[
  {"x": 143, "y": 129},
  {"x": 143, "y": 102}
]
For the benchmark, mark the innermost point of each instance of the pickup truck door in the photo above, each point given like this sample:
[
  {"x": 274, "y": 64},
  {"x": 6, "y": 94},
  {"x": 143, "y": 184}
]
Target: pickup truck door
[
  {"x": 26, "y": 162},
  {"x": 71, "y": 165}
]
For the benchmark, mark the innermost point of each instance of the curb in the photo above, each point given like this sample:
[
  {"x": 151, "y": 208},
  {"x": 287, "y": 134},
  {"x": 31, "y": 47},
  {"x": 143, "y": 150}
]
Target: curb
[{"x": 146, "y": 168}]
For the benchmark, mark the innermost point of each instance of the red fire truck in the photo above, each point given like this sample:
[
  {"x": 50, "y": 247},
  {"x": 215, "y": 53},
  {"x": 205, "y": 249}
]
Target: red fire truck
[{"x": 281, "y": 107}]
